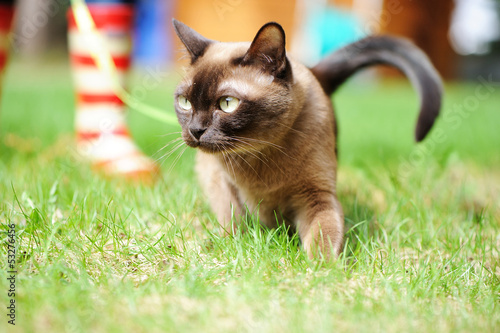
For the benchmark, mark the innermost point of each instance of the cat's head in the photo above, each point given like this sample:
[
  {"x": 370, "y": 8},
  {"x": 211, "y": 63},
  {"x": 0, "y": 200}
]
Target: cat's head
[{"x": 234, "y": 96}]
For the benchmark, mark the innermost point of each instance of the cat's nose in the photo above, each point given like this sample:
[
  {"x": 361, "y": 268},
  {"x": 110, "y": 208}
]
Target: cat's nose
[{"x": 197, "y": 132}]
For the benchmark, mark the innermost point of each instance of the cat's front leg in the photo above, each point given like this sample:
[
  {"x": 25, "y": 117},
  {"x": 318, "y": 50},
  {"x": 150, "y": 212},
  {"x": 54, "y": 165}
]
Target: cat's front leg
[
  {"x": 320, "y": 225},
  {"x": 222, "y": 196}
]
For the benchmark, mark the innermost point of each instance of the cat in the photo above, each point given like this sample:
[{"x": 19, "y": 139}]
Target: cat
[{"x": 265, "y": 129}]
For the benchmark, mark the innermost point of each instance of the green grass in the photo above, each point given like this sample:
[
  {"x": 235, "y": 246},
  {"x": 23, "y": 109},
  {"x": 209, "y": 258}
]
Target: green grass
[{"x": 103, "y": 255}]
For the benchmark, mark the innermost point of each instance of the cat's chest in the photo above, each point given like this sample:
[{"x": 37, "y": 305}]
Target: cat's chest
[
  {"x": 267, "y": 205},
  {"x": 257, "y": 176},
  {"x": 262, "y": 191}
]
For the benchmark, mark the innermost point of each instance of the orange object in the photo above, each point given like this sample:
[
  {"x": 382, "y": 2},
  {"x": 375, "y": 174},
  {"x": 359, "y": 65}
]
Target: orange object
[{"x": 234, "y": 20}]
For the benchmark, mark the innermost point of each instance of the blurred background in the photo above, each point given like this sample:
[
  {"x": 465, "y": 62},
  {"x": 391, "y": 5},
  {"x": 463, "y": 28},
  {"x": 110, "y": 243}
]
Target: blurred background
[{"x": 462, "y": 37}]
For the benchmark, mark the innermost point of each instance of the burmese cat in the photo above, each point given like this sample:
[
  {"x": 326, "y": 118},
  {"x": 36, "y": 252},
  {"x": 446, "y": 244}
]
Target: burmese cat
[{"x": 265, "y": 129}]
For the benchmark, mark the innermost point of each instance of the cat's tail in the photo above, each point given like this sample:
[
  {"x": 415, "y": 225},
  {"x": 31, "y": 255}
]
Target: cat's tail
[{"x": 336, "y": 68}]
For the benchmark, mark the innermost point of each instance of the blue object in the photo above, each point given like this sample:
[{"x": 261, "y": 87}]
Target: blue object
[
  {"x": 152, "y": 43},
  {"x": 334, "y": 28}
]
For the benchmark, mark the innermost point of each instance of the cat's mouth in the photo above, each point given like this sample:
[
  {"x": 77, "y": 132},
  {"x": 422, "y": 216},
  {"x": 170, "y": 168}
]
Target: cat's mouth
[
  {"x": 207, "y": 146},
  {"x": 215, "y": 147}
]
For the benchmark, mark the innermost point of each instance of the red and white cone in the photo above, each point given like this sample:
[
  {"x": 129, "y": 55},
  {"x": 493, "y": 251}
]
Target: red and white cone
[
  {"x": 102, "y": 134},
  {"x": 6, "y": 15}
]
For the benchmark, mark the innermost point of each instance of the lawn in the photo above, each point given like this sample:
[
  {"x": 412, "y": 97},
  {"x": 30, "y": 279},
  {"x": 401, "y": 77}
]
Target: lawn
[{"x": 103, "y": 255}]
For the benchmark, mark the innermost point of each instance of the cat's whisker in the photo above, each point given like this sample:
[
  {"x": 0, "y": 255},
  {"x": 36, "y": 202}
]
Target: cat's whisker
[
  {"x": 252, "y": 149},
  {"x": 276, "y": 146},
  {"x": 240, "y": 156},
  {"x": 170, "y": 143},
  {"x": 165, "y": 156},
  {"x": 233, "y": 157},
  {"x": 261, "y": 153},
  {"x": 176, "y": 160},
  {"x": 258, "y": 141},
  {"x": 167, "y": 134},
  {"x": 257, "y": 151},
  {"x": 273, "y": 162},
  {"x": 292, "y": 129},
  {"x": 227, "y": 161}
]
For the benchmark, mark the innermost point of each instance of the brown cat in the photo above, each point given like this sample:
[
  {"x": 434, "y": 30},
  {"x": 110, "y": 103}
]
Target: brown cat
[{"x": 265, "y": 128}]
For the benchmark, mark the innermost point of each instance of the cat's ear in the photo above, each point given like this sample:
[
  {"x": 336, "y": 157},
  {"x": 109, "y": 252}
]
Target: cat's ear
[
  {"x": 193, "y": 41},
  {"x": 268, "y": 49}
]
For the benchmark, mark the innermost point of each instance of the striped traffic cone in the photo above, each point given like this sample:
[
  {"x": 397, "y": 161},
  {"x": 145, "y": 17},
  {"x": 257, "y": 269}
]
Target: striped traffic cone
[
  {"x": 6, "y": 14},
  {"x": 102, "y": 134}
]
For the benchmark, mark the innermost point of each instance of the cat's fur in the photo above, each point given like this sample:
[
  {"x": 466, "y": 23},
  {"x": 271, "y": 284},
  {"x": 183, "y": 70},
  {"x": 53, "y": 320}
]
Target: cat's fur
[{"x": 276, "y": 154}]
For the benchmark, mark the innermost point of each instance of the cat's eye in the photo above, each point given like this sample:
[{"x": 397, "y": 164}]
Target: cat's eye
[
  {"x": 184, "y": 103},
  {"x": 229, "y": 104}
]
